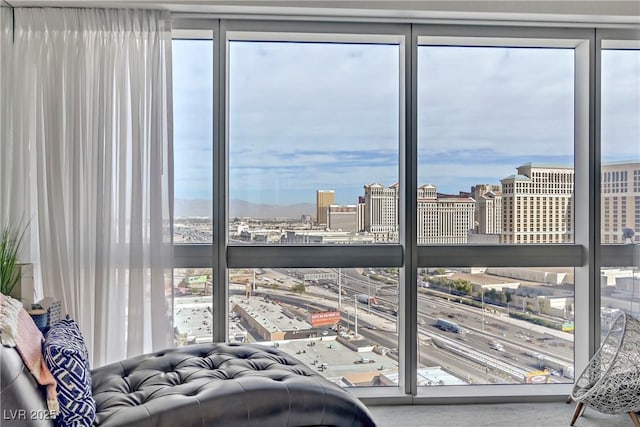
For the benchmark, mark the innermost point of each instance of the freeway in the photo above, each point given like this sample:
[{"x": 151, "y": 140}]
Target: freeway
[
  {"x": 482, "y": 370},
  {"x": 524, "y": 347},
  {"x": 525, "y": 336}
]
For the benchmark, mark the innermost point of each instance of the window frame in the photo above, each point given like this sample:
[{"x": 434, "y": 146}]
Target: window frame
[
  {"x": 523, "y": 255},
  {"x": 608, "y": 255},
  {"x": 585, "y": 254},
  {"x": 389, "y": 255}
]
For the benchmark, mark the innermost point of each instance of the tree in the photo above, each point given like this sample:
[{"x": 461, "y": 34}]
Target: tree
[
  {"x": 508, "y": 297},
  {"x": 439, "y": 282},
  {"x": 463, "y": 286},
  {"x": 298, "y": 288},
  {"x": 491, "y": 295}
]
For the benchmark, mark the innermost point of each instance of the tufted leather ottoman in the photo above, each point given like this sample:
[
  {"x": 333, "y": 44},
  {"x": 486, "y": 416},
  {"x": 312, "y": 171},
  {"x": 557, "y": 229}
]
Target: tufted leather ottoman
[{"x": 220, "y": 385}]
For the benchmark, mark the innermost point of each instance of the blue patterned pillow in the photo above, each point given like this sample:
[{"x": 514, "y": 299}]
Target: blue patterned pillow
[{"x": 68, "y": 360}]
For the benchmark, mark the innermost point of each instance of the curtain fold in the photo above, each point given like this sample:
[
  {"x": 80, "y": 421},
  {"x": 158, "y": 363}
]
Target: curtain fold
[
  {"x": 13, "y": 204},
  {"x": 93, "y": 107}
]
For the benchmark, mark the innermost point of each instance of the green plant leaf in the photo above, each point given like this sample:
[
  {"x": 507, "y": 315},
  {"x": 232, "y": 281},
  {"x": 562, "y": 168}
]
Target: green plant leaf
[{"x": 10, "y": 241}]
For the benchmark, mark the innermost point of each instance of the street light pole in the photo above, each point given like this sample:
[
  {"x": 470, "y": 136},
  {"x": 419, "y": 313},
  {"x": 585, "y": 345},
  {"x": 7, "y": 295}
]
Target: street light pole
[
  {"x": 397, "y": 322},
  {"x": 369, "y": 294},
  {"x": 339, "y": 289},
  {"x": 355, "y": 304},
  {"x": 482, "y": 298}
]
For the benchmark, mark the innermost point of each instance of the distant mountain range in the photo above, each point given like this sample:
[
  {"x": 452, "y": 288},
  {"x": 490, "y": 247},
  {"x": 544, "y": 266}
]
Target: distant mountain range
[{"x": 241, "y": 208}]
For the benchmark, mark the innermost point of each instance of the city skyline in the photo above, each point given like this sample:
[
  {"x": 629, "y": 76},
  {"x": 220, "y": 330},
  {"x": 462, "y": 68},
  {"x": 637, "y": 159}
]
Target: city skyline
[
  {"x": 311, "y": 200},
  {"x": 288, "y": 138}
]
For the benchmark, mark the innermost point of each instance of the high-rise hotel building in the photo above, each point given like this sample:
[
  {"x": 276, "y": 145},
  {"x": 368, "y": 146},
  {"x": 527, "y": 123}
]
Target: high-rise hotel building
[
  {"x": 381, "y": 211},
  {"x": 443, "y": 219},
  {"x": 488, "y": 215},
  {"x": 324, "y": 199},
  {"x": 342, "y": 218},
  {"x": 535, "y": 206},
  {"x": 428, "y": 218},
  {"x": 362, "y": 208},
  {"x": 538, "y": 205},
  {"x": 620, "y": 203}
]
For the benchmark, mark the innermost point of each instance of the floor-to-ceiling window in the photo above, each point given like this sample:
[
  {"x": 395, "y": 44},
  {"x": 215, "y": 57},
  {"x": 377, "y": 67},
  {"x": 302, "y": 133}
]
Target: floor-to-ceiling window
[
  {"x": 496, "y": 139},
  {"x": 192, "y": 80},
  {"x": 501, "y": 152},
  {"x": 315, "y": 127},
  {"x": 495, "y": 166},
  {"x": 395, "y": 205},
  {"x": 619, "y": 177}
]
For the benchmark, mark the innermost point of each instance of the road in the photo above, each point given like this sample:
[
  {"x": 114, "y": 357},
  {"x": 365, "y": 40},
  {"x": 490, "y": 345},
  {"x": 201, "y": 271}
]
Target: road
[{"x": 523, "y": 348}]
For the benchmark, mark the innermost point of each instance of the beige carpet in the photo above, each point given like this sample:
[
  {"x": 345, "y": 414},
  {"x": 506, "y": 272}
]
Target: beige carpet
[{"x": 495, "y": 415}]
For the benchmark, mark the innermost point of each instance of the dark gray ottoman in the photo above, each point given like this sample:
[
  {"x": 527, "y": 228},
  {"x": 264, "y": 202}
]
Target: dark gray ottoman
[{"x": 221, "y": 385}]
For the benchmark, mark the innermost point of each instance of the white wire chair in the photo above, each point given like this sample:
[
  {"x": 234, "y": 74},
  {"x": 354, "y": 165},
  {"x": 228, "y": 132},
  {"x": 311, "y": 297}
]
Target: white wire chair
[{"x": 611, "y": 381}]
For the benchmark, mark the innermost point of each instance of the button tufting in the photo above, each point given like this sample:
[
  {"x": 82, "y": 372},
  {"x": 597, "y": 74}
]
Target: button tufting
[{"x": 198, "y": 373}]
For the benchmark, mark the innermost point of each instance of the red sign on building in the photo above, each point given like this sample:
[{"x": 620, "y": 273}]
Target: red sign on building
[{"x": 325, "y": 318}]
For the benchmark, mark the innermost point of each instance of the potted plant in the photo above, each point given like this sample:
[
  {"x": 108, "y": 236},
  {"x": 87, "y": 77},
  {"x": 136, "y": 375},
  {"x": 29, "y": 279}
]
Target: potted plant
[{"x": 10, "y": 241}]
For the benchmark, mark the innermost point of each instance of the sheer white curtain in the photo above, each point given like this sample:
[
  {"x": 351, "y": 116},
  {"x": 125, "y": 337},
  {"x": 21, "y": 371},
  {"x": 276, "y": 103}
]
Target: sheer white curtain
[
  {"x": 14, "y": 158},
  {"x": 12, "y": 200},
  {"x": 92, "y": 105}
]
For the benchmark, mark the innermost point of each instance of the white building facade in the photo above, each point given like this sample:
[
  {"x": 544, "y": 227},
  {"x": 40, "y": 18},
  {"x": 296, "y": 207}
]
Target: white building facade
[
  {"x": 620, "y": 203},
  {"x": 538, "y": 205},
  {"x": 381, "y": 211}
]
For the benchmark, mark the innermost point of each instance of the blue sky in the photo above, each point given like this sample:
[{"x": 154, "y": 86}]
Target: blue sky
[
  {"x": 309, "y": 116},
  {"x": 192, "y": 123}
]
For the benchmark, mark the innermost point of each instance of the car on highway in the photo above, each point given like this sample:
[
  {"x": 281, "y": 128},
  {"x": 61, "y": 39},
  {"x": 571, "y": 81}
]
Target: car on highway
[{"x": 495, "y": 345}]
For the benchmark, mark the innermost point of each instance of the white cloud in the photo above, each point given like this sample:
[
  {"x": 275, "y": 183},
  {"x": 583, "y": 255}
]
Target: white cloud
[
  {"x": 508, "y": 100},
  {"x": 309, "y": 116},
  {"x": 620, "y": 105}
]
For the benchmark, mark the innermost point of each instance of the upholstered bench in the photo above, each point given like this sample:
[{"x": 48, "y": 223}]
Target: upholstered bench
[{"x": 199, "y": 385}]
